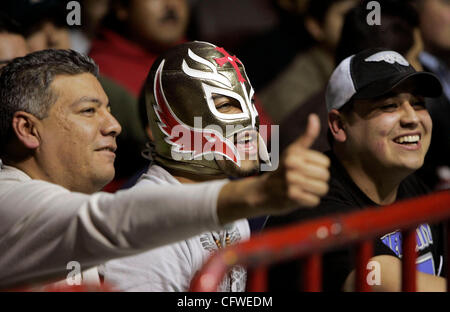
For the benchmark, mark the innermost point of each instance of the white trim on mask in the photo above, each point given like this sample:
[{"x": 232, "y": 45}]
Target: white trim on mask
[
  {"x": 200, "y": 74},
  {"x": 209, "y": 90}
]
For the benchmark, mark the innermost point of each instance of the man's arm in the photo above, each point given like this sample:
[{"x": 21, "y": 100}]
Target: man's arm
[
  {"x": 391, "y": 277},
  {"x": 44, "y": 226}
]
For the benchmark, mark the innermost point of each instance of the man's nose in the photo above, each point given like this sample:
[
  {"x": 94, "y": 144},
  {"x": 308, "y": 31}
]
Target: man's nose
[
  {"x": 111, "y": 126},
  {"x": 409, "y": 115}
]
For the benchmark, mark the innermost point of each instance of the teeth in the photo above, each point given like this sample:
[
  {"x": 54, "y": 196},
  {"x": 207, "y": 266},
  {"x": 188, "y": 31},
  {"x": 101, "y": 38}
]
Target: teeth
[
  {"x": 408, "y": 139},
  {"x": 245, "y": 140}
]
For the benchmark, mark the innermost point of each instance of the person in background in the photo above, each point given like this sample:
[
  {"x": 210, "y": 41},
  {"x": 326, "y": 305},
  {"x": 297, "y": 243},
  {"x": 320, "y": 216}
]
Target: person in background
[
  {"x": 309, "y": 71},
  {"x": 288, "y": 32},
  {"x": 435, "y": 29},
  {"x": 134, "y": 34},
  {"x": 12, "y": 43},
  {"x": 43, "y": 23},
  {"x": 92, "y": 14}
]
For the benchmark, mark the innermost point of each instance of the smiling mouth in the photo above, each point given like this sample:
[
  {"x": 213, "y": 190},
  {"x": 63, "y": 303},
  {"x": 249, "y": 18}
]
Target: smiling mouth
[
  {"x": 408, "y": 139},
  {"x": 246, "y": 139},
  {"x": 247, "y": 143}
]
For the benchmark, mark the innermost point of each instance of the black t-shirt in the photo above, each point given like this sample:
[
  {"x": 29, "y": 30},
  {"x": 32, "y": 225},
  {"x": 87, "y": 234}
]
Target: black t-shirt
[{"x": 345, "y": 196}]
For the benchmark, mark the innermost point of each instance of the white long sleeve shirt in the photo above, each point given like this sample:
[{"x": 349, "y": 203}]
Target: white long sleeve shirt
[{"x": 44, "y": 226}]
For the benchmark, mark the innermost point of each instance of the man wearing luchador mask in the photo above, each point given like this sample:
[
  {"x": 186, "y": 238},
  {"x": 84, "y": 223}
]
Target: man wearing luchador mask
[
  {"x": 203, "y": 94},
  {"x": 204, "y": 126}
]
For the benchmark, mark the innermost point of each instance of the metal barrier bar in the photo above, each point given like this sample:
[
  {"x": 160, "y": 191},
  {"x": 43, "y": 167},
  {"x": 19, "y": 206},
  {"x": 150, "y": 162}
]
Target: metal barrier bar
[
  {"x": 303, "y": 239},
  {"x": 363, "y": 254},
  {"x": 409, "y": 276},
  {"x": 257, "y": 279},
  {"x": 312, "y": 273}
]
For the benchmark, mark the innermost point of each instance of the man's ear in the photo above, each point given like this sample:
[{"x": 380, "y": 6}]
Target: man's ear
[
  {"x": 24, "y": 127},
  {"x": 336, "y": 125},
  {"x": 314, "y": 29}
]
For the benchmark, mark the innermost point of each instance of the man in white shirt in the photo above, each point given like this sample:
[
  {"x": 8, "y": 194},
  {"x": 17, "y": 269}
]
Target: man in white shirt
[{"x": 57, "y": 143}]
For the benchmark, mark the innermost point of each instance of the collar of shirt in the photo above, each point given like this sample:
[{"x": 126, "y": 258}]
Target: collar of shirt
[{"x": 12, "y": 173}]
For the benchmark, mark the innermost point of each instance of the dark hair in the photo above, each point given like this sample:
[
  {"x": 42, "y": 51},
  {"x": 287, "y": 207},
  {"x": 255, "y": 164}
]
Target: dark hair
[
  {"x": 25, "y": 84},
  {"x": 398, "y": 20}
]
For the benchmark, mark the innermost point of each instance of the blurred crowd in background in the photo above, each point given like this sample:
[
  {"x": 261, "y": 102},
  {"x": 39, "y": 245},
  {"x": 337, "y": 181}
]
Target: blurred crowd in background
[{"x": 290, "y": 48}]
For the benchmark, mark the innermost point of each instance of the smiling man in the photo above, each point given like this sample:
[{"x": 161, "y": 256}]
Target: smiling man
[
  {"x": 84, "y": 134},
  {"x": 380, "y": 131}
]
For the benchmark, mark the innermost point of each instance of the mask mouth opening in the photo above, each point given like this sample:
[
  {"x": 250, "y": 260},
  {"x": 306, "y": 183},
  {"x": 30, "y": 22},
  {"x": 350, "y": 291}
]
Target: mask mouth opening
[
  {"x": 246, "y": 143},
  {"x": 246, "y": 136}
]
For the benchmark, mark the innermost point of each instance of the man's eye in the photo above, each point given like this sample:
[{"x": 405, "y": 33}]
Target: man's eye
[
  {"x": 227, "y": 105},
  {"x": 224, "y": 106},
  {"x": 419, "y": 105},
  {"x": 389, "y": 107},
  {"x": 88, "y": 111}
]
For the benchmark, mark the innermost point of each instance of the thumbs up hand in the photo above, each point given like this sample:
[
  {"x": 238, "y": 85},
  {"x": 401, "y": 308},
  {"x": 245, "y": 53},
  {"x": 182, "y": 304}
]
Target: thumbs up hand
[
  {"x": 311, "y": 133},
  {"x": 300, "y": 180},
  {"x": 302, "y": 177}
]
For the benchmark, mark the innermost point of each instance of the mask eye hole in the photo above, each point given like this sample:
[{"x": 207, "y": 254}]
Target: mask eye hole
[
  {"x": 232, "y": 104},
  {"x": 226, "y": 105}
]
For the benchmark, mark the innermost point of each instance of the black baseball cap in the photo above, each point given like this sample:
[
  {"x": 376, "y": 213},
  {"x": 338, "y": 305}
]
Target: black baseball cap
[{"x": 375, "y": 72}]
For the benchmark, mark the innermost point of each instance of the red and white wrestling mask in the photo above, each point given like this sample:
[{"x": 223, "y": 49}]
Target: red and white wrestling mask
[{"x": 201, "y": 112}]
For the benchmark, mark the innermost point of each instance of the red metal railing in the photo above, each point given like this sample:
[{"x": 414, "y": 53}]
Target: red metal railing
[{"x": 310, "y": 239}]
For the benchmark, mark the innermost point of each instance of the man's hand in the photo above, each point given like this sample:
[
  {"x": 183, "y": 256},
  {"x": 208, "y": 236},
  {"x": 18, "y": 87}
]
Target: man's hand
[
  {"x": 301, "y": 180},
  {"x": 303, "y": 174}
]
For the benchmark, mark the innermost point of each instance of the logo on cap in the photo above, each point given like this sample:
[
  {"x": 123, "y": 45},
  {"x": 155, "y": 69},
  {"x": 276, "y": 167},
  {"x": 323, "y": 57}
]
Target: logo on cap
[{"x": 390, "y": 57}]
